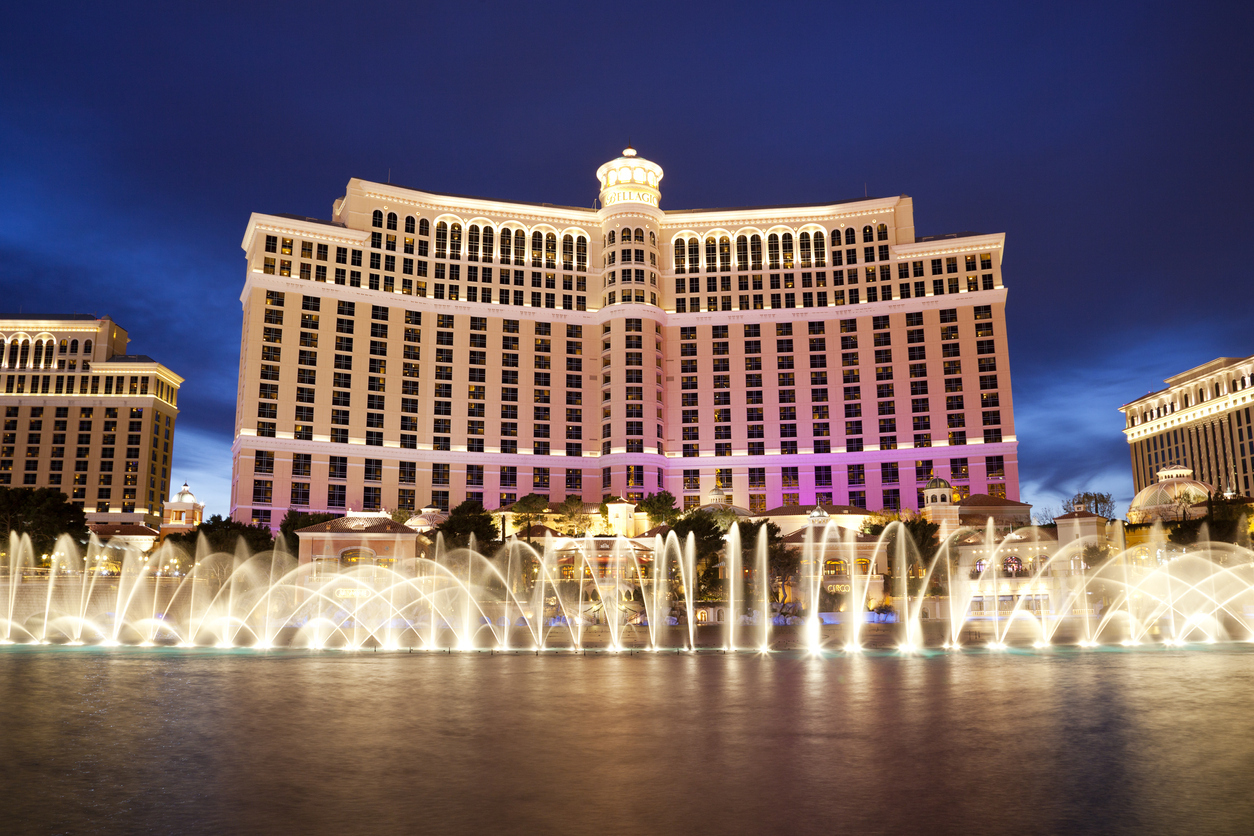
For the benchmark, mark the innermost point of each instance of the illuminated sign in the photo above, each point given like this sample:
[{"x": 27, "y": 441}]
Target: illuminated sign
[
  {"x": 353, "y": 592},
  {"x": 613, "y": 196}
]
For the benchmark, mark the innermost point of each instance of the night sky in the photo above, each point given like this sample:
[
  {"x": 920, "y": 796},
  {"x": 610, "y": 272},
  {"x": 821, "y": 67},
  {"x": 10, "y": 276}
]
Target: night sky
[{"x": 1110, "y": 143}]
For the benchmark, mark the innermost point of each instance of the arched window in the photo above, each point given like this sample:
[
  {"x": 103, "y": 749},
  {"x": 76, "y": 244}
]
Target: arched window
[
  {"x": 507, "y": 243},
  {"x": 455, "y": 241},
  {"x": 24, "y": 355},
  {"x": 652, "y": 239},
  {"x": 377, "y": 219},
  {"x": 755, "y": 251},
  {"x": 881, "y": 232},
  {"x": 392, "y": 220},
  {"x": 424, "y": 227},
  {"x": 87, "y": 347},
  {"x": 711, "y": 254},
  {"x": 37, "y": 361},
  {"x": 537, "y": 248},
  {"x": 610, "y": 237},
  {"x": 864, "y": 566},
  {"x": 640, "y": 234},
  {"x": 694, "y": 256},
  {"x": 1012, "y": 565},
  {"x": 835, "y": 567},
  {"x": 724, "y": 254},
  {"x": 868, "y": 234},
  {"x": 820, "y": 250},
  {"x": 409, "y": 224},
  {"x": 581, "y": 254},
  {"x": 803, "y": 247},
  {"x": 568, "y": 252},
  {"x": 851, "y": 237},
  {"x": 489, "y": 241},
  {"x": 441, "y": 240},
  {"x": 63, "y": 347},
  {"x": 787, "y": 240},
  {"x": 742, "y": 252},
  {"x": 680, "y": 257},
  {"x": 550, "y": 251},
  {"x": 472, "y": 242},
  {"x": 520, "y": 248},
  {"x": 74, "y": 346},
  {"x": 772, "y": 249},
  {"x": 980, "y": 564}
]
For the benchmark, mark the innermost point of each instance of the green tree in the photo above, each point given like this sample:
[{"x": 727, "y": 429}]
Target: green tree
[
  {"x": 468, "y": 518},
  {"x": 1094, "y": 556},
  {"x": 708, "y": 539},
  {"x": 572, "y": 516},
  {"x": 528, "y": 511},
  {"x": 782, "y": 563},
  {"x": 660, "y": 507},
  {"x": 42, "y": 513},
  {"x": 1102, "y": 504},
  {"x": 223, "y": 534},
  {"x": 704, "y": 528},
  {"x": 294, "y": 521}
]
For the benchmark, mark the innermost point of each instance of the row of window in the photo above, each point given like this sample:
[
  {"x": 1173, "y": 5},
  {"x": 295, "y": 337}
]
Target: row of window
[{"x": 22, "y": 353}]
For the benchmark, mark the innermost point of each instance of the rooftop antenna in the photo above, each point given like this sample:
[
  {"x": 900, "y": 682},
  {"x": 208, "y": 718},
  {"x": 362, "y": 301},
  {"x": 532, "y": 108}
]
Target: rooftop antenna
[
  {"x": 864, "y": 194},
  {"x": 389, "y": 175}
]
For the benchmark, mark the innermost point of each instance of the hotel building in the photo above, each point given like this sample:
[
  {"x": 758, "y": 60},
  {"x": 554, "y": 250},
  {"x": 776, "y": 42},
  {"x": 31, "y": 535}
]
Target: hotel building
[
  {"x": 1201, "y": 422},
  {"x": 83, "y": 416},
  {"x": 422, "y": 348}
]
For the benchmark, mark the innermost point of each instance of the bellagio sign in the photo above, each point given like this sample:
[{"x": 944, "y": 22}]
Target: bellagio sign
[{"x": 612, "y": 196}]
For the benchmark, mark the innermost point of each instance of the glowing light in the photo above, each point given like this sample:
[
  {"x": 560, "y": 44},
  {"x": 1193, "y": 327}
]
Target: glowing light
[
  {"x": 996, "y": 645},
  {"x": 906, "y": 647},
  {"x": 1040, "y": 645},
  {"x": 852, "y": 648}
]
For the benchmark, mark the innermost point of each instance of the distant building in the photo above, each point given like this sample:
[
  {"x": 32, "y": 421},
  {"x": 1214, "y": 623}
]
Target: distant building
[
  {"x": 83, "y": 416},
  {"x": 183, "y": 514},
  {"x": 126, "y": 535},
  {"x": 1201, "y": 422},
  {"x": 421, "y": 348}
]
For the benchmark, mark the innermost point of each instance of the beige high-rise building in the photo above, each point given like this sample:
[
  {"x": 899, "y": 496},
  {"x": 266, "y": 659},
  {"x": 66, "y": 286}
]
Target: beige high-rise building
[
  {"x": 421, "y": 348},
  {"x": 1200, "y": 422},
  {"x": 83, "y": 416}
]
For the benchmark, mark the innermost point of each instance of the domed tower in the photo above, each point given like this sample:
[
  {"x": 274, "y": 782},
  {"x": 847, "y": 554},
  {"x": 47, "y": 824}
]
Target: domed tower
[
  {"x": 631, "y": 403},
  {"x": 630, "y": 229},
  {"x": 938, "y": 506}
]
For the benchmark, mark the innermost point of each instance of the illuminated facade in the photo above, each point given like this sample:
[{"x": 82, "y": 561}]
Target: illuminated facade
[
  {"x": 1200, "y": 422},
  {"x": 83, "y": 416},
  {"x": 421, "y": 348}
]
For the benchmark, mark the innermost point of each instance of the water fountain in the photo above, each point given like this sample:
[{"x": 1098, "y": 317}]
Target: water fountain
[{"x": 577, "y": 594}]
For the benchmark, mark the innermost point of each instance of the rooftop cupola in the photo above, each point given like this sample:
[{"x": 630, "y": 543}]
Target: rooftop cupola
[{"x": 630, "y": 179}]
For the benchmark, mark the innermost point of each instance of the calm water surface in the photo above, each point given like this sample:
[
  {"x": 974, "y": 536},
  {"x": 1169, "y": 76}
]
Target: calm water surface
[{"x": 170, "y": 741}]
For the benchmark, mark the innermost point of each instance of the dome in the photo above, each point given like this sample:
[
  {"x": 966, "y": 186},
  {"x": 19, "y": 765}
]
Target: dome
[
  {"x": 936, "y": 483},
  {"x": 428, "y": 518},
  {"x": 1169, "y": 497},
  {"x": 630, "y": 179},
  {"x": 716, "y": 496},
  {"x": 184, "y": 495}
]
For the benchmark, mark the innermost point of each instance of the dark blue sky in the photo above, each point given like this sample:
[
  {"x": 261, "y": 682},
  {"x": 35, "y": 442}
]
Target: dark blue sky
[{"x": 1109, "y": 142}]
